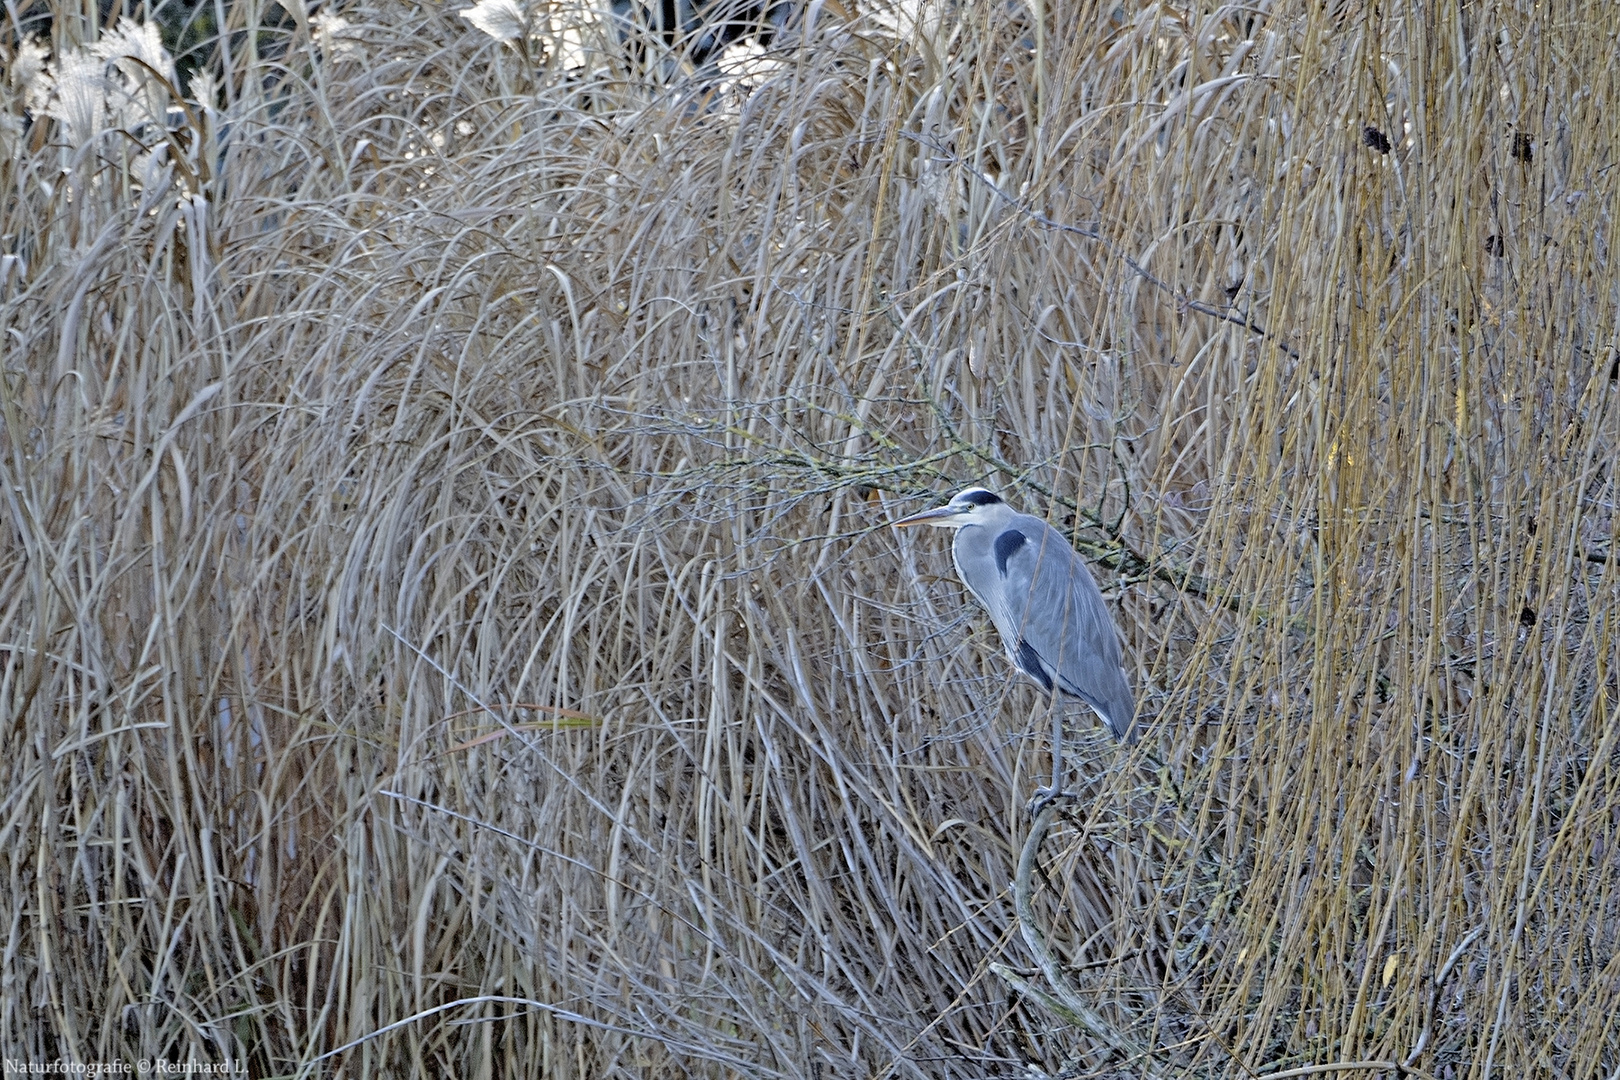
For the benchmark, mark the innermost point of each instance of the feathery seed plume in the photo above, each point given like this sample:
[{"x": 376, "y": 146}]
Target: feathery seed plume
[{"x": 502, "y": 20}]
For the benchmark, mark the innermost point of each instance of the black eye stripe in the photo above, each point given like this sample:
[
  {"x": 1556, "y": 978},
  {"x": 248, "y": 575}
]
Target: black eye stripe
[{"x": 980, "y": 497}]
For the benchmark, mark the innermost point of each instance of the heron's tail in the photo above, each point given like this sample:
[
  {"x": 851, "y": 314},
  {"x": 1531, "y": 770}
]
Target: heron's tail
[
  {"x": 1119, "y": 711},
  {"x": 1113, "y": 705}
]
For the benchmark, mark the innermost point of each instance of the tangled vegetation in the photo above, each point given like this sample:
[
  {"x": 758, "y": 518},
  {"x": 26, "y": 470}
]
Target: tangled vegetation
[{"x": 448, "y": 624}]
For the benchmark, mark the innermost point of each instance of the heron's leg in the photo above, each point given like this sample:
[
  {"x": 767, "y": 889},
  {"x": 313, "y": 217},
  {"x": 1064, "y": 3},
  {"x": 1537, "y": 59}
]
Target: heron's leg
[
  {"x": 1047, "y": 795},
  {"x": 1057, "y": 744}
]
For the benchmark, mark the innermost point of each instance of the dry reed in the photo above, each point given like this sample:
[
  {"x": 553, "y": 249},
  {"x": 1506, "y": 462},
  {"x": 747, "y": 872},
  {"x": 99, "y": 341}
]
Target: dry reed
[{"x": 447, "y": 623}]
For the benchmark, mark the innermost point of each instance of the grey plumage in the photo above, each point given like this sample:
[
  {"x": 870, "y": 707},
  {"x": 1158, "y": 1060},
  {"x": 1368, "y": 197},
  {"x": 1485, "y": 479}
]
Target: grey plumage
[{"x": 1044, "y": 602}]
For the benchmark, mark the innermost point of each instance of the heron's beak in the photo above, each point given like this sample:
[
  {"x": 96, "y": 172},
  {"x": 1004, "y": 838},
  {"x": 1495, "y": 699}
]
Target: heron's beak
[{"x": 927, "y": 517}]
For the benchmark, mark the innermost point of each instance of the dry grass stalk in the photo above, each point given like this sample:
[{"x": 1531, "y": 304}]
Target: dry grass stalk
[{"x": 386, "y": 387}]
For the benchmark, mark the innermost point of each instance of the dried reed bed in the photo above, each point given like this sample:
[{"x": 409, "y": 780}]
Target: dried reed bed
[{"x": 448, "y": 627}]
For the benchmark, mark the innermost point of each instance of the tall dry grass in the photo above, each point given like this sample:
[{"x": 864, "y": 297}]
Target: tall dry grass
[{"x": 448, "y": 624}]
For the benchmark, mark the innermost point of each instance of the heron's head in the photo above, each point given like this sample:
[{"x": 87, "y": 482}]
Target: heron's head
[{"x": 975, "y": 506}]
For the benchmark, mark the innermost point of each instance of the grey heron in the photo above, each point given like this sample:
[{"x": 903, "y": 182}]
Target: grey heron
[{"x": 1046, "y": 606}]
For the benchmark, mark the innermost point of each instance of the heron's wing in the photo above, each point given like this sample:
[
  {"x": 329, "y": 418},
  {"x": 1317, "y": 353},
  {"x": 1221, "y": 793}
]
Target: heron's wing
[{"x": 1053, "y": 613}]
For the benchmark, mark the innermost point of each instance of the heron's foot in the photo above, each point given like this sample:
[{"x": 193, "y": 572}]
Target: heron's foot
[{"x": 1046, "y": 796}]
